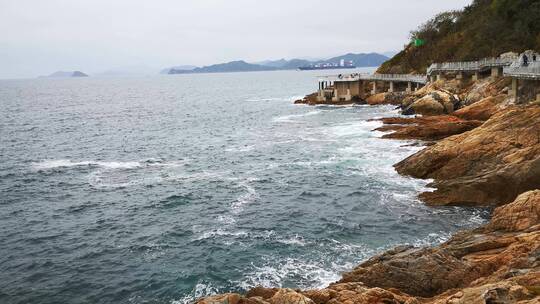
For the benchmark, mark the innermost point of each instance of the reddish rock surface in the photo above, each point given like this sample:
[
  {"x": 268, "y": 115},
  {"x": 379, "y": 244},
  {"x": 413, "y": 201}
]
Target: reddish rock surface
[
  {"x": 427, "y": 127},
  {"x": 489, "y": 165}
]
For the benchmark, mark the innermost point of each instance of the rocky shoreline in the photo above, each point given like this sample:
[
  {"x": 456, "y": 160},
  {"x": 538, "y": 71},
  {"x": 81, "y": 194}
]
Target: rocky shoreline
[{"x": 482, "y": 150}]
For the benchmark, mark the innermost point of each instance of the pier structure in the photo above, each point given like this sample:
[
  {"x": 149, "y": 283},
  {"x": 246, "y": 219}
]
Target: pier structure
[{"x": 339, "y": 88}]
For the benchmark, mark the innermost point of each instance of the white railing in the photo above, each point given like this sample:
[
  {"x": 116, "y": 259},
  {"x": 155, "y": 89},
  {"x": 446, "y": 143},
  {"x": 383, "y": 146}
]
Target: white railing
[
  {"x": 377, "y": 77},
  {"x": 530, "y": 72},
  {"x": 472, "y": 66}
]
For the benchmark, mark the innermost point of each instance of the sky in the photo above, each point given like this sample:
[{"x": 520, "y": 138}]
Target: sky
[{"x": 39, "y": 37}]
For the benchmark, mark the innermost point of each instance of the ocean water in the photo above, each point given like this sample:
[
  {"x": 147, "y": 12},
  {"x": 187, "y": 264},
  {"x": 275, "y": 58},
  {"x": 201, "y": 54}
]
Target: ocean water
[{"x": 165, "y": 189}]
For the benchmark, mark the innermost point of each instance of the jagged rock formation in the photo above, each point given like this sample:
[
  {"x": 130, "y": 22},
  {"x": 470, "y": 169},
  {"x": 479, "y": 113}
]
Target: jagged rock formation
[{"x": 489, "y": 165}]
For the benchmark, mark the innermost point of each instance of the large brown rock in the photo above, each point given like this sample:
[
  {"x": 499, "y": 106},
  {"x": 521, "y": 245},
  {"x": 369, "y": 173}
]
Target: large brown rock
[
  {"x": 426, "y": 127},
  {"x": 484, "y": 88},
  {"x": 489, "y": 165},
  {"x": 434, "y": 103},
  {"x": 483, "y": 109},
  {"x": 395, "y": 98}
]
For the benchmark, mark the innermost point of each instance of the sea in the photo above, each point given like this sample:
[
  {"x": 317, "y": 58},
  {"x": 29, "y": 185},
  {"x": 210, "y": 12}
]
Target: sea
[{"x": 165, "y": 189}]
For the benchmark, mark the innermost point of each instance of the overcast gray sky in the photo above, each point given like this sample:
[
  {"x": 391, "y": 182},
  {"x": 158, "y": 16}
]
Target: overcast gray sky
[{"x": 42, "y": 36}]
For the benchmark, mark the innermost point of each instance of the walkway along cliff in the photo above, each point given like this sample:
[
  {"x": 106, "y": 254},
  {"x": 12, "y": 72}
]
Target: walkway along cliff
[{"x": 481, "y": 124}]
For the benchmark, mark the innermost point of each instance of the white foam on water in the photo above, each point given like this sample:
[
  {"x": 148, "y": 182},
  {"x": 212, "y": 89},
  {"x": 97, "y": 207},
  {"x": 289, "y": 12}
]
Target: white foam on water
[
  {"x": 308, "y": 274},
  {"x": 294, "y": 240},
  {"x": 66, "y": 163},
  {"x": 245, "y": 148},
  {"x": 294, "y": 117},
  {"x": 354, "y": 129},
  {"x": 220, "y": 232},
  {"x": 287, "y": 98},
  {"x": 244, "y": 199},
  {"x": 202, "y": 289}
]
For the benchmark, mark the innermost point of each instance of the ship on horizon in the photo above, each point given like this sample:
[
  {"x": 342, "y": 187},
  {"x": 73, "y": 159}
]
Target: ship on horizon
[{"x": 329, "y": 66}]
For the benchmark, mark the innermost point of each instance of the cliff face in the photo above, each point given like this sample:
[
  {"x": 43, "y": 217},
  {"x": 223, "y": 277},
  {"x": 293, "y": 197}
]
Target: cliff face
[
  {"x": 489, "y": 165},
  {"x": 486, "y": 28}
]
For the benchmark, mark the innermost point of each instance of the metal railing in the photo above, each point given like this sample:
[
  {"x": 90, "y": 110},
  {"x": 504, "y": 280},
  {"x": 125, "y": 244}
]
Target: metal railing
[
  {"x": 526, "y": 72},
  {"x": 378, "y": 77},
  {"x": 472, "y": 66}
]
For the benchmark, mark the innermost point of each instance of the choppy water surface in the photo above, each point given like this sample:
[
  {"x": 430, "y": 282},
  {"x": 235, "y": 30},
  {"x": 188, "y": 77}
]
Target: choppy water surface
[{"x": 164, "y": 189}]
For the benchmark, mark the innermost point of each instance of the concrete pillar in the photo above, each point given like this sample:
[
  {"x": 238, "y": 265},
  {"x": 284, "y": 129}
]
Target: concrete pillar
[
  {"x": 476, "y": 76},
  {"x": 538, "y": 98},
  {"x": 513, "y": 92},
  {"x": 335, "y": 97},
  {"x": 440, "y": 77},
  {"x": 459, "y": 76},
  {"x": 349, "y": 97},
  {"x": 409, "y": 87},
  {"x": 417, "y": 87},
  {"x": 495, "y": 72},
  {"x": 391, "y": 88},
  {"x": 374, "y": 90}
]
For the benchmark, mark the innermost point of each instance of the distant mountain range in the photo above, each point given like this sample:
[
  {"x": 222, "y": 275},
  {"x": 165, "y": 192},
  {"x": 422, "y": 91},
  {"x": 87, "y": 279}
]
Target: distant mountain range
[
  {"x": 359, "y": 60},
  {"x": 63, "y": 74}
]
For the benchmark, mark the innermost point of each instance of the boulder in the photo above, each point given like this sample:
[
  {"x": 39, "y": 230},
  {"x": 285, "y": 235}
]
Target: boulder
[{"x": 434, "y": 103}]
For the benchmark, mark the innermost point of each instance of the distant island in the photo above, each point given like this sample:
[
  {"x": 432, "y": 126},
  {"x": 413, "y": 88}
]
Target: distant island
[
  {"x": 359, "y": 60},
  {"x": 63, "y": 74}
]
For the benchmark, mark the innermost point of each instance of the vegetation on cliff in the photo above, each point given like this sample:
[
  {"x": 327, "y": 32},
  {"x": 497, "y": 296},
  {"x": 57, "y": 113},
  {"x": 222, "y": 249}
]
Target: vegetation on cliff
[{"x": 486, "y": 28}]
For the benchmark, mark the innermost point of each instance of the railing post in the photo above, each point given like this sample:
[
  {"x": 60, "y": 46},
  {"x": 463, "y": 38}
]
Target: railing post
[{"x": 409, "y": 87}]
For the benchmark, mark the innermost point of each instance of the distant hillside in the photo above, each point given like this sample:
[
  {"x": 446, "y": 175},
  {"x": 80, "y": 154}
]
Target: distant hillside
[
  {"x": 486, "y": 28},
  {"x": 178, "y": 68},
  {"x": 63, "y": 74},
  {"x": 359, "y": 60},
  {"x": 233, "y": 66}
]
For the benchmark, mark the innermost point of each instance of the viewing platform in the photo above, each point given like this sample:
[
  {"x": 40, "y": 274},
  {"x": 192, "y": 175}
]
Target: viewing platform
[{"x": 346, "y": 87}]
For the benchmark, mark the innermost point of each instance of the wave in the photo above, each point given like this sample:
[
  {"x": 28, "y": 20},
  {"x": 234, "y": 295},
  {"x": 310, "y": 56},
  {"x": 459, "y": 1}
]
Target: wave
[
  {"x": 66, "y": 163},
  {"x": 288, "y": 98},
  {"x": 201, "y": 289},
  {"x": 310, "y": 274},
  {"x": 290, "y": 118}
]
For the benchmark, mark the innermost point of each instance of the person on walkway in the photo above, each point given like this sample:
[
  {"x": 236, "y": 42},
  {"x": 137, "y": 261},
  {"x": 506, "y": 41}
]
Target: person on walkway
[{"x": 525, "y": 60}]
